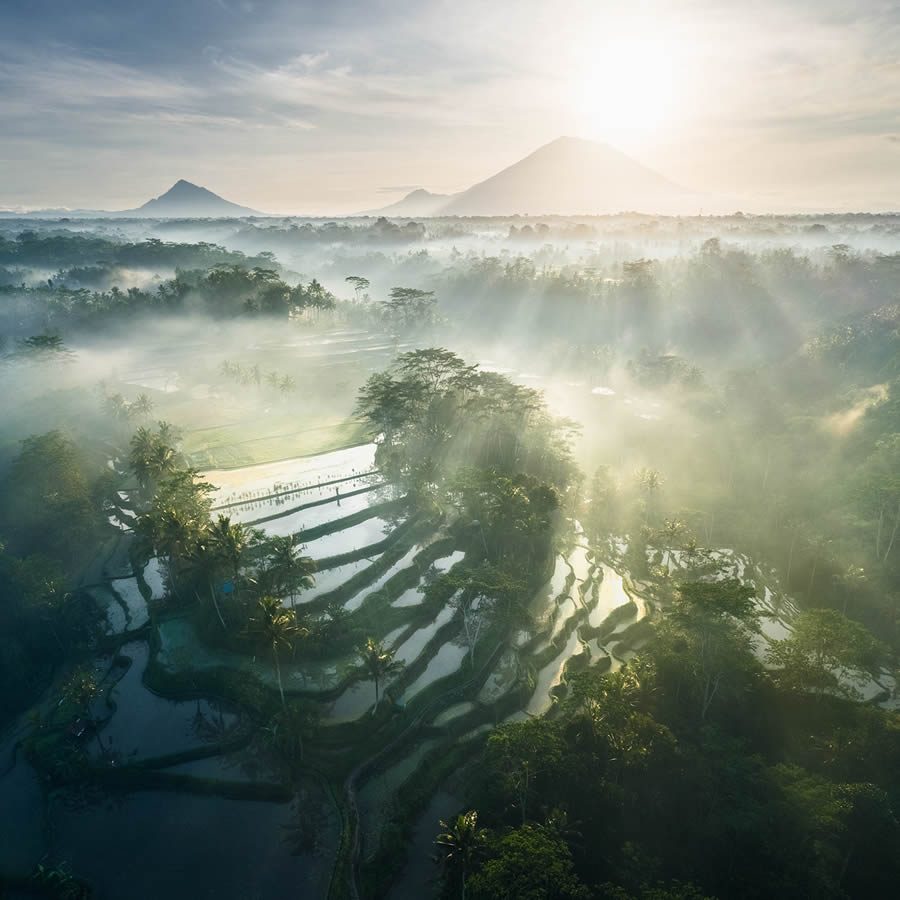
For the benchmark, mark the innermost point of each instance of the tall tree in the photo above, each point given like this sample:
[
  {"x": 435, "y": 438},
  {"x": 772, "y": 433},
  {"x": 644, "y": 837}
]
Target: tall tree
[
  {"x": 379, "y": 663},
  {"x": 277, "y": 628},
  {"x": 459, "y": 846}
]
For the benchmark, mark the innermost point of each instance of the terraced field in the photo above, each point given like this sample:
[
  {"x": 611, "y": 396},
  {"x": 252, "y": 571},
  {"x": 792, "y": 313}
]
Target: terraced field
[{"x": 368, "y": 766}]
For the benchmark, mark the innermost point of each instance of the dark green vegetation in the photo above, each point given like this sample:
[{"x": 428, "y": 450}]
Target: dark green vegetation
[
  {"x": 466, "y": 664},
  {"x": 689, "y": 773}
]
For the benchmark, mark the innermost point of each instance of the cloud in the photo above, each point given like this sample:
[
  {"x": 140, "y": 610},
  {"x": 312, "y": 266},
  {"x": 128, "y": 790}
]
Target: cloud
[
  {"x": 399, "y": 189},
  {"x": 442, "y": 93}
]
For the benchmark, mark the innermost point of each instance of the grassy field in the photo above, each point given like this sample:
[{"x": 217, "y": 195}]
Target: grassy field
[{"x": 265, "y": 440}]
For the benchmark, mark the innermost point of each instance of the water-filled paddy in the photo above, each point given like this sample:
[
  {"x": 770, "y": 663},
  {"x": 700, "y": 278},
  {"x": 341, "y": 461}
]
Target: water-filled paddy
[
  {"x": 144, "y": 724},
  {"x": 145, "y": 846},
  {"x": 445, "y": 662}
]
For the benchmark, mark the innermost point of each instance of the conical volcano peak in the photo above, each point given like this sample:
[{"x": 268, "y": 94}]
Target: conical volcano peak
[{"x": 186, "y": 199}]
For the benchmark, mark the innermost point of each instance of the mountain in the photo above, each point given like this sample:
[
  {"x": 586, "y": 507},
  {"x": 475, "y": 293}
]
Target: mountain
[
  {"x": 418, "y": 203},
  {"x": 182, "y": 201},
  {"x": 186, "y": 200},
  {"x": 568, "y": 176}
]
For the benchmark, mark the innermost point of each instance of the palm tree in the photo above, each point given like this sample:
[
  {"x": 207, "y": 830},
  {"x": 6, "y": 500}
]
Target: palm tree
[
  {"x": 205, "y": 564},
  {"x": 151, "y": 456},
  {"x": 142, "y": 442},
  {"x": 277, "y": 628},
  {"x": 143, "y": 406},
  {"x": 228, "y": 542},
  {"x": 174, "y": 536},
  {"x": 460, "y": 843},
  {"x": 379, "y": 662},
  {"x": 290, "y": 572}
]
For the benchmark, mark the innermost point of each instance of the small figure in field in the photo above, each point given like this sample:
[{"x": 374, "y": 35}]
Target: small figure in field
[{"x": 337, "y": 493}]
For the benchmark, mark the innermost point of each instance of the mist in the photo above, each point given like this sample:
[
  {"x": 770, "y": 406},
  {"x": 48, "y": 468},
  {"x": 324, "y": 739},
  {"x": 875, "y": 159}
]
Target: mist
[{"x": 316, "y": 521}]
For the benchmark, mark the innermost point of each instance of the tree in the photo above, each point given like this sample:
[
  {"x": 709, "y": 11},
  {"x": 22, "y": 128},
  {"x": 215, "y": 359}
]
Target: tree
[
  {"x": 277, "y": 628},
  {"x": 878, "y": 491},
  {"x": 530, "y": 863},
  {"x": 708, "y": 630},
  {"x": 379, "y": 662},
  {"x": 410, "y": 309},
  {"x": 611, "y": 713},
  {"x": 42, "y": 582},
  {"x": 822, "y": 652},
  {"x": 477, "y": 592},
  {"x": 650, "y": 481},
  {"x": 229, "y": 543},
  {"x": 177, "y": 519},
  {"x": 143, "y": 405},
  {"x": 460, "y": 845},
  {"x": 47, "y": 502},
  {"x": 151, "y": 457},
  {"x": 520, "y": 753},
  {"x": 287, "y": 571},
  {"x": 360, "y": 285}
]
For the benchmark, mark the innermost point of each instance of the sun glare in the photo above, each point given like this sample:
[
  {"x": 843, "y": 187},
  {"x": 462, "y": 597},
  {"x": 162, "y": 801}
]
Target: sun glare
[{"x": 626, "y": 91}]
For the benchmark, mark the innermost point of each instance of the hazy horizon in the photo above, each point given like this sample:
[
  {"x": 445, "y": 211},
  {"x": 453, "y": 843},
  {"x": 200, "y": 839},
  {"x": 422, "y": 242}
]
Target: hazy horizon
[{"x": 293, "y": 108}]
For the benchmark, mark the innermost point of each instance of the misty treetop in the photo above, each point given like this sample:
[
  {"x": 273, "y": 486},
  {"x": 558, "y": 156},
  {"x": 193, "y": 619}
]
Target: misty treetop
[{"x": 431, "y": 413}]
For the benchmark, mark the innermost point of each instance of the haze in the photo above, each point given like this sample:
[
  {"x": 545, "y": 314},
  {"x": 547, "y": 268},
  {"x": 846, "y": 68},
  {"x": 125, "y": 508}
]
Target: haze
[
  {"x": 340, "y": 107},
  {"x": 449, "y": 451}
]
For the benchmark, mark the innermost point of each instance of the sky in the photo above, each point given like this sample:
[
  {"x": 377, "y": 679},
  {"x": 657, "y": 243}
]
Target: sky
[{"x": 334, "y": 107}]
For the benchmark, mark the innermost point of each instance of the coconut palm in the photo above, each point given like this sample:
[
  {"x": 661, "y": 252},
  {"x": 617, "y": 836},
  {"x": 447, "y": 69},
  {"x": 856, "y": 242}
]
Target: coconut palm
[
  {"x": 379, "y": 662},
  {"x": 150, "y": 456},
  {"x": 288, "y": 570},
  {"x": 278, "y": 628},
  {"x": 143, "y": 405},
  {"x": 459, "y": 844},
  {"x": 229, "y": 542}
]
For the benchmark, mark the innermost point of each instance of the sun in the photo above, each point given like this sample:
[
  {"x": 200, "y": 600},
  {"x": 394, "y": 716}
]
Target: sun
[{"x": 627, "y": 90}]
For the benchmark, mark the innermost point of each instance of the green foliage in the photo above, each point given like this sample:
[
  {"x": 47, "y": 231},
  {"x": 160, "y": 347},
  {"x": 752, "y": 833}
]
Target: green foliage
[
  {"x": 529, "y": 863},
  {"x": 432, "y": 413},
  {"x": 822, "y": 653},
  {"x": 48, "y": 506}
]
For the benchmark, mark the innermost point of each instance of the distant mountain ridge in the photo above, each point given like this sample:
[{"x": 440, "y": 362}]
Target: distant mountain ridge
[
  {"x": 568, "y": 176},
  {"x": 183, "y": 200}
]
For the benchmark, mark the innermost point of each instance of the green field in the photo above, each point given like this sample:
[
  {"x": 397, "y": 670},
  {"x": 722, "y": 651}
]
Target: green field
[{"x": 267, "y": 440}]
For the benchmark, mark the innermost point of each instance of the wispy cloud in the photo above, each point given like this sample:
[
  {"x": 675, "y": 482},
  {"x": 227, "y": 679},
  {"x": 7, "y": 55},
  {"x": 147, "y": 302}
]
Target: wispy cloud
[{"x": 350, "y": 95}]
